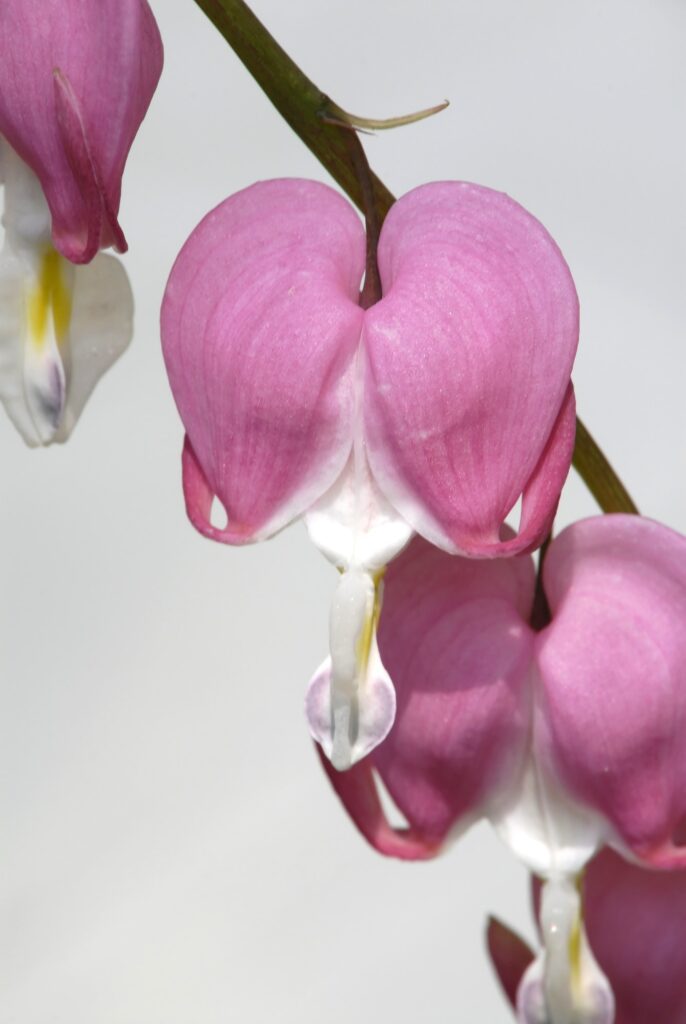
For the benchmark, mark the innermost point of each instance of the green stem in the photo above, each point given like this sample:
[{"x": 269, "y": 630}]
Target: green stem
[
  {"x": 598, "y": 475},
  {"x": 306, "y": 108},
  {"x": 297, "y": 99}
]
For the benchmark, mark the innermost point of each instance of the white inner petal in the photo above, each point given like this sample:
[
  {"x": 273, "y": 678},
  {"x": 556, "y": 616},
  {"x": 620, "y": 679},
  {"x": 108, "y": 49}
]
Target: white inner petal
[
  {"x": 564, "y": 985},
  {"x": 350, "y": 702},
  {"x": 101, "y": 330},
  {"x": 353, "y": 524},
  {"x": 545, "y": 828},
  {"x": 61, "y": 326}
]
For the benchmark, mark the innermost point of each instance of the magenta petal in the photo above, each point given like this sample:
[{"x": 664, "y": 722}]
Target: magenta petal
[
  {"x": 260, "y": 328},
  {"x": 75, "y": 82},
  {"x": 359, "y": 795},
  {"x": 612, "y": 707},
  {"x": 509, "y": 955},
  {"x": 542, "y": 492},
  {"x": 102, "y": 226},
  {"x": 469, "y": 356},
  {"x": 454, "y": 639},
  {"x": 199, "y": 498},
  {"x": 636, "y": 923}
]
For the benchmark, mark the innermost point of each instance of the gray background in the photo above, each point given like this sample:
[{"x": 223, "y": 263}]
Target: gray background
[{"x": 171, "y": 852}]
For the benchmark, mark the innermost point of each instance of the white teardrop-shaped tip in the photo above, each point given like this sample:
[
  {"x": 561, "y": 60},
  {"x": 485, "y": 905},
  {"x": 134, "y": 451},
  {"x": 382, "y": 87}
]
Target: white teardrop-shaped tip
[
  {"x": 564, "y": 984},
  {"x": 596, "y": 1005},
  {"x": 45, "y": 387},
  {"x": 352, "y": 728}
]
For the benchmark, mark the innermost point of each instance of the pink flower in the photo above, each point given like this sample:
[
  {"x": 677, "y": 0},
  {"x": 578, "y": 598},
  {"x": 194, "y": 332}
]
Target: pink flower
[
  {"x": 636, "y": 925},
  {"x": 566, "y": 739},
  {"x": 433, "y": 411},
  {"x": 76, "y": 79}
]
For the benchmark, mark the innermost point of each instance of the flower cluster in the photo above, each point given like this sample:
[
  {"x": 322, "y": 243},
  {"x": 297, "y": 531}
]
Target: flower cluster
[
  {"x": 472, "y": 682},
  {"x": 75, "y": 82},
  {"x": 567, "y": 738},
  {"x": 470, "y": 685},
  {"x": 433, "y": 411}
]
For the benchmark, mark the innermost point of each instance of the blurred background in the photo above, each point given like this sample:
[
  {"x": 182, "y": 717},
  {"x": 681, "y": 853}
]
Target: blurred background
[{"x": 170, "y": 850}]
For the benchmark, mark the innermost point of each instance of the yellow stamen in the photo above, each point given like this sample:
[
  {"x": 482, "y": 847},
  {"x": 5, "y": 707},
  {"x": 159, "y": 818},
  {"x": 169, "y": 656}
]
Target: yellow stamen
[
  {"x": 50, "y": 299},
  {"x": 575, "y": 945},
  {"x": 364, "y": 643}
]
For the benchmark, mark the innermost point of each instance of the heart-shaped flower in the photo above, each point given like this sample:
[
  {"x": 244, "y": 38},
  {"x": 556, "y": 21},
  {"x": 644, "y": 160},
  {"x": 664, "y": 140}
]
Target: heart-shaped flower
[
  {"x": 433, "y": 411},
  {"x": 567, "y": 739}
]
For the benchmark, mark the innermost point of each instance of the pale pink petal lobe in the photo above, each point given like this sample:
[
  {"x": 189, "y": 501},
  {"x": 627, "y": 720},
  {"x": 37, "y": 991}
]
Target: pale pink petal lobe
[
  {"x": 454, "y": 638},
  {"x": 469, "y": 355},
  {"x": 636, "y": 923},
  {"x": 542, "y": 492},
  {"x": 260, "y": 330},
  {"x": 612, "y": 706}
]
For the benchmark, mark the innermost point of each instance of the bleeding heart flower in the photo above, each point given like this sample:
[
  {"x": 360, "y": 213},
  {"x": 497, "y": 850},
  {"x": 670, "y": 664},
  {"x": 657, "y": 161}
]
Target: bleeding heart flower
[
  {"x": 636, "y": 926},
  {"x": 76, "y": 79},
  {"x": 434, "y": 410},
  {"x": 567, "y": 739}
]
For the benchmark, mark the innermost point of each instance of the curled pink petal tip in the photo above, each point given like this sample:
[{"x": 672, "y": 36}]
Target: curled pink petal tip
[{"x": 75, "y": 83}]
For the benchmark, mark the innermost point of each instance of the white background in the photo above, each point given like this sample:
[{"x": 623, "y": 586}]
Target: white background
[{"x": 170, "y": 852}]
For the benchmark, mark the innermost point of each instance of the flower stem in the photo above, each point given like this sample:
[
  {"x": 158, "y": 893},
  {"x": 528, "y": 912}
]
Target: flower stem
[
  {"x": 296, "y": 98},
  {"x": 598, "y": 475},
  {"x": 371, "y": 292},
  {"x": 313, "y": 116},
  {"x": 540, "y": 612}
]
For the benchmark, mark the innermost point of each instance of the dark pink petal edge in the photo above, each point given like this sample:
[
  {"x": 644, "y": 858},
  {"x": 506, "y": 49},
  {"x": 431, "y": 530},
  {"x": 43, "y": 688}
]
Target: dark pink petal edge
[
  {"x": 100, "y": 217},
  {"x": 357, "y": 792}
]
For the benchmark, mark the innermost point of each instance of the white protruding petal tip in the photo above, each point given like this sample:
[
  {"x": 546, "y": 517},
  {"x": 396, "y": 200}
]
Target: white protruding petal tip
[
  {"x": 61, "y": 327},
  {"x": 348, "y": 734},
  {"x": 101, "y": 329},
  {"x": 598, "y": 1005},
  {"x": 564, "y": 985},
  {"x": 45, "y": 387}
]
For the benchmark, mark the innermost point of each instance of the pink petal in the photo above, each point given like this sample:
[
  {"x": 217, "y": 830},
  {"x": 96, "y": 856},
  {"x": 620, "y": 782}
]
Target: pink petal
[
  {"x": 75, "y": 82},
  {"x": 359, "y": 795},
  {"x": 636, "y": 922},
  {"x": 613, "y": 664},
  {"x": 469, "y": 356},
  {"x": 453, "y": 638},
  {"x": 509, "y": 955},
  {"x": 260, "y": 328}
]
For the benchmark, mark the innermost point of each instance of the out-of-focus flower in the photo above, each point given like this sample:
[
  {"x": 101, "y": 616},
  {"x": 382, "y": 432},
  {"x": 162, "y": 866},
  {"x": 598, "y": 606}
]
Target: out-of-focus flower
[
  {"x": 76, "y": 79},
  {"x": 636, "y": 925},
  {"x": 433, "y": 411},
  {"x": 567, "y": 739}
]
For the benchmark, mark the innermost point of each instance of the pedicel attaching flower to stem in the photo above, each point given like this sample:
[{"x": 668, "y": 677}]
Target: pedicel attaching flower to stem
[
  {"x": 567, "y": 739},
  {"x": 76, "y": 79},
  {"x": 434, "y": 410}
]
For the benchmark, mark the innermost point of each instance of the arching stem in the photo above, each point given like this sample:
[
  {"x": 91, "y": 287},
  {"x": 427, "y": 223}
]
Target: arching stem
[{"x": 598, "y": 475}]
